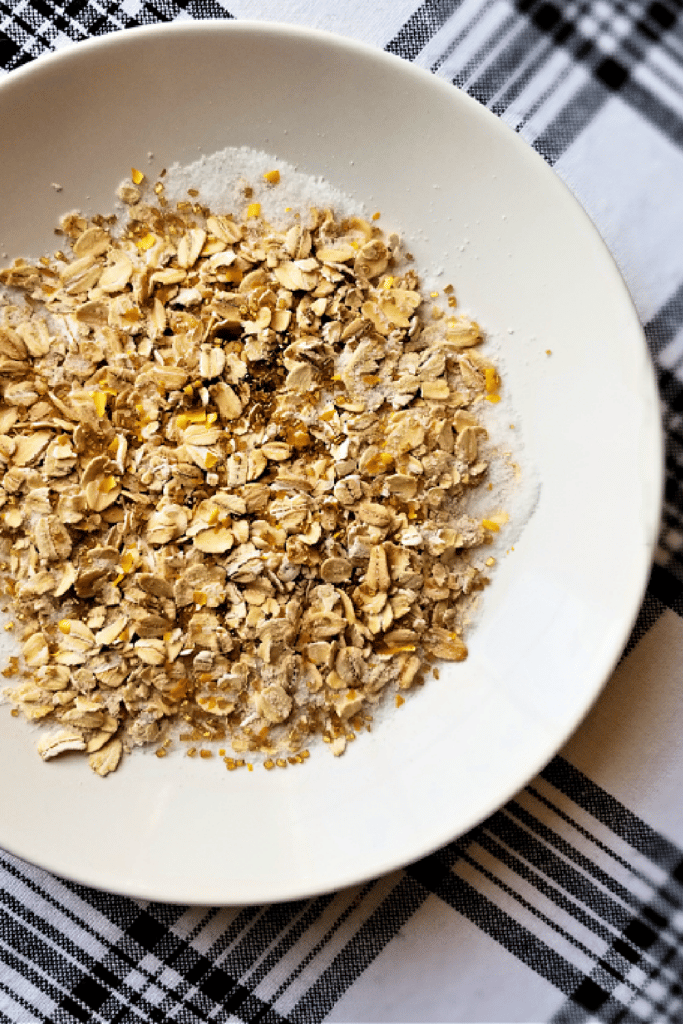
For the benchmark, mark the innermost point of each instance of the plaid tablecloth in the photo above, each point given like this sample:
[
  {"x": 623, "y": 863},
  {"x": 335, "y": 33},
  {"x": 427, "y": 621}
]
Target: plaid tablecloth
[{"x": 566, "y": 905}]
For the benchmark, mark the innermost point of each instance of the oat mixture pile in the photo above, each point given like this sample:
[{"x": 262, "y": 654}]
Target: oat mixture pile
[{"x": 235, "y": 465}]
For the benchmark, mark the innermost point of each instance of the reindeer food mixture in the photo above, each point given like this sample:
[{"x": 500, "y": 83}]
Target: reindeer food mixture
[{"x": 235, "y": 468}]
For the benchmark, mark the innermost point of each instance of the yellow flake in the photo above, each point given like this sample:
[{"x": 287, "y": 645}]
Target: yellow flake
[
  {"x": 492, "y": 379},
  {"x": 128, "y": 559},
  {"x": 489, "y": 524},
  {"x": 388, "y": 283},
  {"x": 108, "y": 484},
  {"x": 396, "y": 649},
  {"x": 64, "y": 626},
  {"x": 378, "y": 463},
  {"x": 100, "y": 400},
  {"x": 146, "y": 242},
  {"x": 210, "y": 460},
  {"x": 253, "y": 210},
  {"x": 273, "y": 177},
  {"x": 137, "y": 176}
]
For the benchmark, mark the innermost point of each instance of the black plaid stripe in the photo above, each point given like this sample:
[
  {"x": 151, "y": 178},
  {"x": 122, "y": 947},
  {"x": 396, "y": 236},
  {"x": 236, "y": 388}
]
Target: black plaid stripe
[
  {"x": 611, "y": 40},
  {"x": 662, "y": 333},
  {"x": 312, "y": 913},
  {"x": 20, "y": 1007},
  {"x": 209, "y": 985},
  {"x": 606, "y": 809},
  {"x": 119, "y": 988},
  {"x": 610, "y": 924},
  {"x": 671, "y": 537},
  {"x": 360, "y": 952},
  {"x": 79, "y": 990},
  {"x": 420, "y": 28},
  {"x": 32, "y": 27},
  {"x": 200, "y": 982},
  {"x": 666, "y": 324},
  {"x": 537, "y": 844},
  {"x": 664, "y": 590},
  {"x": 496, "y": 922}
]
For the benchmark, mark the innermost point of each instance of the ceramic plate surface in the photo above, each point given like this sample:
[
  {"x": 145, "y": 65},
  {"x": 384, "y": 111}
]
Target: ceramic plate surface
[{"x": 526, "y": 261}]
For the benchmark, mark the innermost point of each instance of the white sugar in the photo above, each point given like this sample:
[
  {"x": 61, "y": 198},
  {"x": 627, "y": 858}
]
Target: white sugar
[{"x": 221, "y": 180}]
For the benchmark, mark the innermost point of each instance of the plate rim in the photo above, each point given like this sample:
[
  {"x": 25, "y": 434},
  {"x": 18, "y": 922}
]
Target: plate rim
[{"x": 77, "y": 51}]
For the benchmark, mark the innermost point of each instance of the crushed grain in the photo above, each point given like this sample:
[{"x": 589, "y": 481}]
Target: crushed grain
[{"x": 235, "y": 464}]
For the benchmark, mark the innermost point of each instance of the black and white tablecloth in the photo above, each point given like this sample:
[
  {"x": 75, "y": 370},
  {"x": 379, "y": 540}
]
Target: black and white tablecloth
[{"x": 567, "y": 905}]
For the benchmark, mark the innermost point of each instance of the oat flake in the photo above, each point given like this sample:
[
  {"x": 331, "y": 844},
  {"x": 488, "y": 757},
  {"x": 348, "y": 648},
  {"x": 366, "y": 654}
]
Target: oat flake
[{"x": 238, "y": 448}]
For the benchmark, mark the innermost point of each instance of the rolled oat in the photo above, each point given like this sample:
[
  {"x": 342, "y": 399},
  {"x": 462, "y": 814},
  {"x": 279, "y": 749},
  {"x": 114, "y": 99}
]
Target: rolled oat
[{"x": 235, "y": 464}]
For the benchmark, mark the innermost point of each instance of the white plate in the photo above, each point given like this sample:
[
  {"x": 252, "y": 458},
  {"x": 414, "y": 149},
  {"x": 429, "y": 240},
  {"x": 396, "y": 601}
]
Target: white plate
[{"x": 523, "y": 256}]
